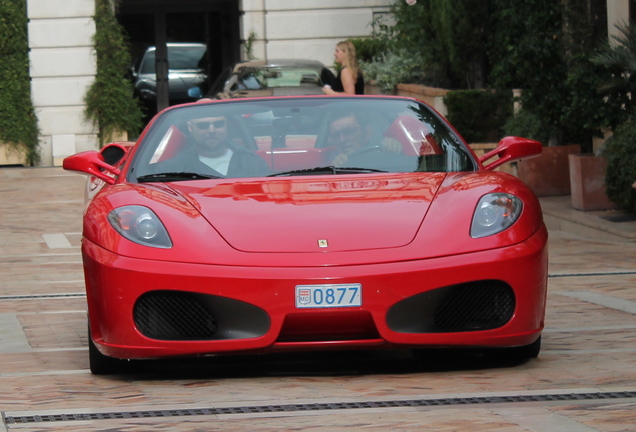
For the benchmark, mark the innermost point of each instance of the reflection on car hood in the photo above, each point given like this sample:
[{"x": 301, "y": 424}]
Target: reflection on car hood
[{"x": 316, "y": 214}]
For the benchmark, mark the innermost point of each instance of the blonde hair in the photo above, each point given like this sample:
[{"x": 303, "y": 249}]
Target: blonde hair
[{"x": 351, "y": 60}]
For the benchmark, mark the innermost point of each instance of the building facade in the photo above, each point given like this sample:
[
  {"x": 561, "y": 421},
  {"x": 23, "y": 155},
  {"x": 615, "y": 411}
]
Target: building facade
[{"x": 63, "y": 64}]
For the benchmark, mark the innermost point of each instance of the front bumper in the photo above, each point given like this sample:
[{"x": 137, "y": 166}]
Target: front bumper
[{"x": 259, "y": 302}]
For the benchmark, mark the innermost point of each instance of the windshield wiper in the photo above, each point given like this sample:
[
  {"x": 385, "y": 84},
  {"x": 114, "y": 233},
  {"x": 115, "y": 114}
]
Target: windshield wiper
[
  {"x": 328, "y": 170},
  {"x": 174, "y": 176}
]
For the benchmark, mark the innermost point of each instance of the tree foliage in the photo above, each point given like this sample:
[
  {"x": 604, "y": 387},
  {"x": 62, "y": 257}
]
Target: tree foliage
[
  {"x": 619, "y": 58},
  {"x": 620, "y": 151},
  {"x": 544, "y": 48},
  {"x": 480, "y": 116},
  {"x": 539, "y": 46},
  {"x": 449, "y": 36},
  {"x": 18, "y": 122}
]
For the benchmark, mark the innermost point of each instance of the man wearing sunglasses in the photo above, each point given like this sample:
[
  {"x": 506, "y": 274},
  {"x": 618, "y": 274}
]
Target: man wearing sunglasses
[
  {"x": 216, "y": 151},
  {"x": 349, "y": 133},
  {"x": 356, "y": 144}
]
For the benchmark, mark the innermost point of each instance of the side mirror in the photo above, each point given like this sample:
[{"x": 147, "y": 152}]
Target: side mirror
[
  {"x": 95, "y": 163},
  {"x": 511, "y": 149}
]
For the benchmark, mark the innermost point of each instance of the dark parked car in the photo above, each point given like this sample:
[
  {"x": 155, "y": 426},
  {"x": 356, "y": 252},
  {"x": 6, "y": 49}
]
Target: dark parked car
[
  {"x": 256, "y": 78},
  {"x": 186, "y": 69}
]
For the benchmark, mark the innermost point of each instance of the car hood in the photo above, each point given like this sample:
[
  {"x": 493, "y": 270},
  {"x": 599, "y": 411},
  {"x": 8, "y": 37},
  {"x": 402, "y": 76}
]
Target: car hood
[{"x": 316, "y": 214}]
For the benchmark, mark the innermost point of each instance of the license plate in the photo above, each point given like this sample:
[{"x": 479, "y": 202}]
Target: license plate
[{"x": 325, "y": 296}]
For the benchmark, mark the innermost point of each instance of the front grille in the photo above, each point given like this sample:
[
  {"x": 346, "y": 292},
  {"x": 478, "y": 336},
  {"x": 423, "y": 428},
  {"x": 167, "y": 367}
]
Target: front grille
[
  {"x": 174, "y": 315},
  {"x": 477, "y": 306},
  {"x": 178, "y": 315},
  {"x": 473, "y": 306}
]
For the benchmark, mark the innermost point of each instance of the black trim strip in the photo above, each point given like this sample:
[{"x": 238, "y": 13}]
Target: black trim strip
[
  {"x": 614, "y": 273},
  {"x": 9, "y": 420},
  {"x": 43, "y": 296}
]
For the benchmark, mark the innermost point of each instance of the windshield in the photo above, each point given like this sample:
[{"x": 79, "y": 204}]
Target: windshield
[
  {"x": 297, "y": 136},
  {"x": 260, "y": 78},
  {"x": 180, "y": 58}
]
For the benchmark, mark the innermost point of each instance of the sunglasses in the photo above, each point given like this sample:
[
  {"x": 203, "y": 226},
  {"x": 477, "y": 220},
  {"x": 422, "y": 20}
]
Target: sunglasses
[{"x": 204, "y": 125}]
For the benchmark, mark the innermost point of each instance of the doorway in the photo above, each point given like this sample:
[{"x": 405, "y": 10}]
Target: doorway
[{"x": 156, "y": 23}]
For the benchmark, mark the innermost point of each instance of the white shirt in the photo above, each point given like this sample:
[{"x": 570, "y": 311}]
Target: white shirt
[{"x": 220, "y": 164}]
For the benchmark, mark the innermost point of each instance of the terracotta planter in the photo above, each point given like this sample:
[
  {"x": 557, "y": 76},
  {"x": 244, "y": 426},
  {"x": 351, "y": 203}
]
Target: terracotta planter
[
  {"x": 549, "y": 173},
  {"x": 587, "y": 178}
]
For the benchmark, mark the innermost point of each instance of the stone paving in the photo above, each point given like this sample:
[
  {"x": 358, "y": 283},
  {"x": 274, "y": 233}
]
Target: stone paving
[{"x": 589, "y": 347}]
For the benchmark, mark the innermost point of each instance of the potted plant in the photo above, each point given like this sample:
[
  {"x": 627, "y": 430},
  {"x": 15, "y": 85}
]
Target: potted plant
[
  {"x": 587, "y": 180},
  {"x": 619, "y": 151},
  {"x": 549, "y": 173}
]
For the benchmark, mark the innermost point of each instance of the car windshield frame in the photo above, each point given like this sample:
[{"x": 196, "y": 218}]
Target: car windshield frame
[
  {"x": 299, "y": 136},
  {"x": 267, "y": 77}
]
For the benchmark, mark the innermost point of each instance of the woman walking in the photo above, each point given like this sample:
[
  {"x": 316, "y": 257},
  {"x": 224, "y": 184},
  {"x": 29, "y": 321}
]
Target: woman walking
[{"x": 349, "y": 79}]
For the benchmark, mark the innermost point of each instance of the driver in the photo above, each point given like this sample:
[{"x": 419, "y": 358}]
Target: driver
[
  {"x": 212, "y": 152},
  {"x": 351, "y": 134}
]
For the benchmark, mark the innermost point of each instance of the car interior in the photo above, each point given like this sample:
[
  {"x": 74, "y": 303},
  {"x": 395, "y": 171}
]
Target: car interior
[{"x": 293, "y": 137}]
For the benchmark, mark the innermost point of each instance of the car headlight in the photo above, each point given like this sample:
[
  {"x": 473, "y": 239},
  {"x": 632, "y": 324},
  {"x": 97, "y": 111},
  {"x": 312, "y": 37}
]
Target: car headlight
[
  {"x": 495, "y": 212},
  {"x": 140, "y": 225}
]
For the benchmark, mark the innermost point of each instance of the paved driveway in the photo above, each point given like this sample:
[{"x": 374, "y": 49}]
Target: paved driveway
[{"x": 584, "y": 379}]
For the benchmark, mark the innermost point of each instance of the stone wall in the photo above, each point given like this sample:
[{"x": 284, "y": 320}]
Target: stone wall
[
  {"x": 62, "y": 67},
  {"x": 309, "y": 28}
]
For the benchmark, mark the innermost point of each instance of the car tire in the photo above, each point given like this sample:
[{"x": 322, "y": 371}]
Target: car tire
[
  {"x": 529, "y": 351},
  {"x": 513, "y": 355},
  {"x": 101, "y": 364}
]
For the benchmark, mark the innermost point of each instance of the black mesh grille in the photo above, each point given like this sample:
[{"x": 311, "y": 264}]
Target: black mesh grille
[
  {"x": 112, "y": 154},
  {"x": 476, "y": 306},
  {"x": 174, "y": 315}
]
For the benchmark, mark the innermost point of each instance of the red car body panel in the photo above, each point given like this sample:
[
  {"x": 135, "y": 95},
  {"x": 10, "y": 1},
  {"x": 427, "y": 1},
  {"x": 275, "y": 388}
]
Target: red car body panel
[
  {"x": 233, "y": 205},
  {"x": 384, "y": 285}
]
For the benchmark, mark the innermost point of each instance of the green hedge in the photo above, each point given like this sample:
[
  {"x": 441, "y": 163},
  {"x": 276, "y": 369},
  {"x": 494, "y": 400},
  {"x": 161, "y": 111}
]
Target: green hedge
[
  {"x": 110, "y": 104},
  {"x": 479, "y": 116},
  {"x": 18, "y": 122},
  {"x": 620, "y": 151}
]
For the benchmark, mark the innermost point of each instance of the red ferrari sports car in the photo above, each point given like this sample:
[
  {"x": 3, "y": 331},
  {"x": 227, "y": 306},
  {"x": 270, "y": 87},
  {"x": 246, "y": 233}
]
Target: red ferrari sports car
[{"x": 308, "y": 223}]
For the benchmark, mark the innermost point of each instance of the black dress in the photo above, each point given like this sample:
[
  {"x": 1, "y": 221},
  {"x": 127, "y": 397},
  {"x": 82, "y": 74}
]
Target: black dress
[{"x": 359, "y": 87}]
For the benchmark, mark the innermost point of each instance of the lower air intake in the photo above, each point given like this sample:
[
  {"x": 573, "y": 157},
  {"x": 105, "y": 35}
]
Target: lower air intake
[
  {"x": 473, "y": 306},
  {"x": 477, "y": 306},
  {"x": 174, "y": 315}
]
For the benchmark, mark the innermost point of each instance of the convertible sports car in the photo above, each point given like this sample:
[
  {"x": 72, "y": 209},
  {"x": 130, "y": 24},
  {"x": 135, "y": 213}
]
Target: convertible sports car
[{"x": 308, "y": 223}]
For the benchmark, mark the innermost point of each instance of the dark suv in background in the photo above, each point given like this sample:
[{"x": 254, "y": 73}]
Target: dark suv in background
[{"x": 187, "y": 66}]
